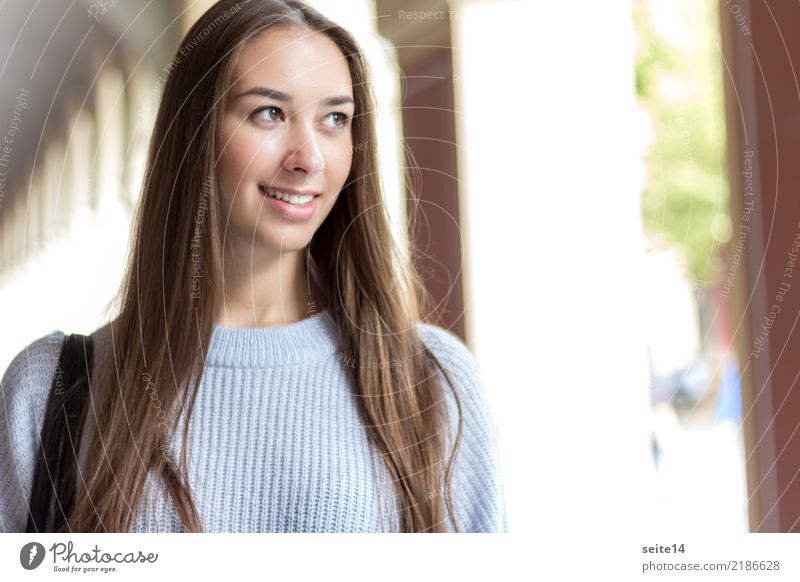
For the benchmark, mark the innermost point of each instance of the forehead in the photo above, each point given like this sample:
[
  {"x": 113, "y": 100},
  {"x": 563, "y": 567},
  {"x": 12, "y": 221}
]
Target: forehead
[{"x": 293, "y": 60}]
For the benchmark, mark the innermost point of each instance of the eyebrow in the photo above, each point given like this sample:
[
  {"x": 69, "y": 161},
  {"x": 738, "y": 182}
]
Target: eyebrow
[{"x": 286, "y": 98}]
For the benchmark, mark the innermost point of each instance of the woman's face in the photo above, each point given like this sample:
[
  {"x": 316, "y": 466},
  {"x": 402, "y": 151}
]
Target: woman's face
[{"x": 286, "y": 129}]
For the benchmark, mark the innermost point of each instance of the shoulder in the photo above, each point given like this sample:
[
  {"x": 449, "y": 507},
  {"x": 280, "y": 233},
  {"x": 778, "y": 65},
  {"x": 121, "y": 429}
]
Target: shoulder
[
  {"x": 477, "y": 479},
  {"x": 466, "y": 381},
  {"x": 449, "y": 349},
  {"x": 460, "y": 365},
  {"x": 31, "y": 370}
]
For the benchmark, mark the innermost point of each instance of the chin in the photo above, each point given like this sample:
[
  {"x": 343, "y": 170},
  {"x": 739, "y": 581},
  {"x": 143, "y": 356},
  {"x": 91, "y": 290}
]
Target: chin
[{"x": 286, "y": 238}]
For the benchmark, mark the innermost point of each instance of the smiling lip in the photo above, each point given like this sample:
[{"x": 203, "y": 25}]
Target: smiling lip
[
  {"x": 289, "y": 211},
  {"x": 289, "y": 190}
]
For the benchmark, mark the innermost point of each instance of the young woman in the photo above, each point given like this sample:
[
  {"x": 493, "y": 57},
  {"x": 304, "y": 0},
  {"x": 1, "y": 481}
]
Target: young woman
[{"x": 268, "y": 369}]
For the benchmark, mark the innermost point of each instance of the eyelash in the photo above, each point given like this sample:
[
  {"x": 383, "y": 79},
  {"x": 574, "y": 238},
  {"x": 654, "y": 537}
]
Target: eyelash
[{"x": 346, "y": 119}]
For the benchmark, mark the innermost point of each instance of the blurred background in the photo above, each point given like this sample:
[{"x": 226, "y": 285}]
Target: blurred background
[{"x": 605, "y": 224}]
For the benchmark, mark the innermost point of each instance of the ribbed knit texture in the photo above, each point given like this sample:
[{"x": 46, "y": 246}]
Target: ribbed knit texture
[{"x": 276, "y": 443}]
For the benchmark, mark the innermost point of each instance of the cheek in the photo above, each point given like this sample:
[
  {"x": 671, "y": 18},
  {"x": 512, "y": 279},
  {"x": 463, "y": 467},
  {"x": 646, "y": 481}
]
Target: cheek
[
  {"x": 245, "y": 158},
  {"x": 338, "y": 165}
]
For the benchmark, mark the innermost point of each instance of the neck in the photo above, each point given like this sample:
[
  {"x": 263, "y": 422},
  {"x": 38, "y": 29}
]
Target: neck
[{"x": 265, "y": 290}]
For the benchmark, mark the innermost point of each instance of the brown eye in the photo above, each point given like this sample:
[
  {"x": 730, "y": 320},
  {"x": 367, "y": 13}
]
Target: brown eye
[{"x": 270, "y": 108}]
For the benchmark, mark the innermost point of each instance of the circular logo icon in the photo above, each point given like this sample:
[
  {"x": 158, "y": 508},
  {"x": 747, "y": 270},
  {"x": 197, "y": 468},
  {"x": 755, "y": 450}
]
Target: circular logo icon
[{"x": 31, "y": 555}]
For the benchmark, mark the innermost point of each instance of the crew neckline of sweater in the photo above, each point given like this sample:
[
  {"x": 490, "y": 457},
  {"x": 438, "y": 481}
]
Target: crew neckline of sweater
[{"x": 262, "y": 347}]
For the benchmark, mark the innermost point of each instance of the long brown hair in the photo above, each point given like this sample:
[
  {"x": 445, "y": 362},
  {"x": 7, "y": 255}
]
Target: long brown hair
[{"x": 356, "y": 272}]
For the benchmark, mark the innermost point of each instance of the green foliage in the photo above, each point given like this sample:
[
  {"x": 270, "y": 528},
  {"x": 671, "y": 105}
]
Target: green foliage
[{"x": 685, "y": 200}]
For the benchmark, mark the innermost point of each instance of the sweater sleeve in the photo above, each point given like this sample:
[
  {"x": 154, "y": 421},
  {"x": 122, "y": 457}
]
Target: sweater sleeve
[
  {"x": 24, "y": 392},
  {"x": 477, "y": 478}
]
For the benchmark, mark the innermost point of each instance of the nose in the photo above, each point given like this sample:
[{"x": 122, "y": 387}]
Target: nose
[{"x": 303, "y": 153}]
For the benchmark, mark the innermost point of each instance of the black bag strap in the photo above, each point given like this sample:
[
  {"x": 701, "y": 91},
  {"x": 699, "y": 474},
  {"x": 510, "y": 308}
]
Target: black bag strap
[{"x": 56, "y": 469}]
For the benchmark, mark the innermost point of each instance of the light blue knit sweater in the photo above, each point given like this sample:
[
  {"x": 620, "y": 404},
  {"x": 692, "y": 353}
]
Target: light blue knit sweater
[{"x": 276, "y": 442}]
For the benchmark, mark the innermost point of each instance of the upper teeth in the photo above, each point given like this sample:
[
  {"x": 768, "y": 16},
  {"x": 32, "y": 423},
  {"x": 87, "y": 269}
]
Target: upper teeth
[{"x": 290, "y": 198}]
